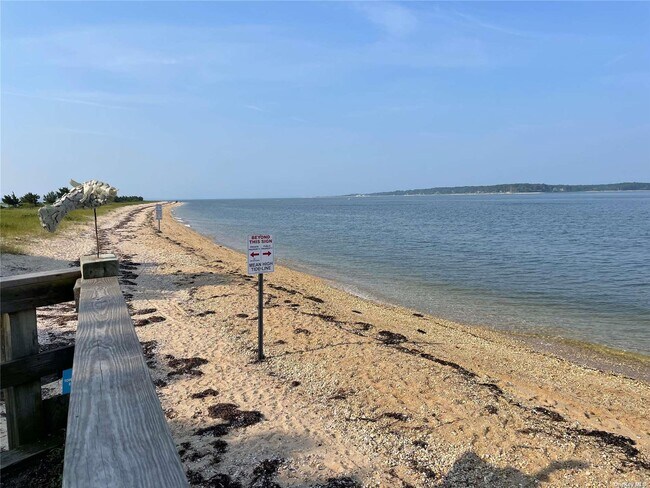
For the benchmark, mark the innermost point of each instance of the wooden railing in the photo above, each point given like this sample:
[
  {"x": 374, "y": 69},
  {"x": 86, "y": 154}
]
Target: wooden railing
[
  {"x": 29, "y": 417},
  {"x": 116, "y": 434}
]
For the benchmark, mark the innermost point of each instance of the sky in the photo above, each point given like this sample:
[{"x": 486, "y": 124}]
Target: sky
[{"x": 188, "y": 100}]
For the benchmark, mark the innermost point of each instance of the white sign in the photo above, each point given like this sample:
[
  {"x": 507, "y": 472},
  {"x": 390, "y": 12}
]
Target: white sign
[
  {"x": 158, "y": 211},
  {"x": 260, "y": 254}
]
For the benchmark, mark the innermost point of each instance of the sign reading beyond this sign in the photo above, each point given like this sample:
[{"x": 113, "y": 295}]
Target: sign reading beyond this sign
[
  {"x": 158, "y": 211},
  {"x": 67, "y": 381},
  {"x": 260, "y": 254}
]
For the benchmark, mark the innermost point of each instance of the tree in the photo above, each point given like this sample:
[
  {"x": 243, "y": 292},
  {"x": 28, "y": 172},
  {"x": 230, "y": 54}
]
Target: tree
[
  {"x": 130, "y": 198},
  {"x": 30, "y": 198},
  {"x": 62, "y": 191},
  {"x": 50, "y": 197},
  {"x": 11, "y": 200}
]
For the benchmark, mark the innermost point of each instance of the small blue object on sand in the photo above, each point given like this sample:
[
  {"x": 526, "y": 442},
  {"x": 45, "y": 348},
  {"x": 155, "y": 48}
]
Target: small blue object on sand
[{"x": 67, "y": 381}]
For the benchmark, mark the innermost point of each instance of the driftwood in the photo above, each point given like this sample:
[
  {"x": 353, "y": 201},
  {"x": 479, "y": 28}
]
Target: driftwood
[{"x": 90, "y": 194}]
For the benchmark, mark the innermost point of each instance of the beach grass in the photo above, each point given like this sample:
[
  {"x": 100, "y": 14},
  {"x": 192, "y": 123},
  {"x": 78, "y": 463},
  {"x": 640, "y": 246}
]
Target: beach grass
[{"x": 19, "y": 225}]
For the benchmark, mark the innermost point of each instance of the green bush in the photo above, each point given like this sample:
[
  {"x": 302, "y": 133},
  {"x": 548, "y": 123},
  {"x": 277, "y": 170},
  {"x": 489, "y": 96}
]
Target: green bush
[
  {"x": 50, "y": 197},
  {"x": 30, "y": 198},
  {"x": 12, "y": 200}
]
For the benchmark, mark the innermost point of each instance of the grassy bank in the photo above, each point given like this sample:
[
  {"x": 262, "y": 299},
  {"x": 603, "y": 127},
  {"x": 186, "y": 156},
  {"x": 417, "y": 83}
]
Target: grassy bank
[{"x": 19, "y": 225}]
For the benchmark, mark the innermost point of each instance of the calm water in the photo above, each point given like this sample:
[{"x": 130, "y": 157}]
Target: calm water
[{"x": 573, "y": 265}]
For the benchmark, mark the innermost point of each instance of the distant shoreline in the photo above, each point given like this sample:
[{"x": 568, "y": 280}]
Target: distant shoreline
[
  {"x": 366, "y": 195},
  {"x": 512, "y": 189},
  {"x": 373, "y": 195}
]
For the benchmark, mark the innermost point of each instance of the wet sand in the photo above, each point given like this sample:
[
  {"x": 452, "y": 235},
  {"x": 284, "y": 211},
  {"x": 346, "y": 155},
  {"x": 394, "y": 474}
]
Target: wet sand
[{"x": 353, "y": 392}]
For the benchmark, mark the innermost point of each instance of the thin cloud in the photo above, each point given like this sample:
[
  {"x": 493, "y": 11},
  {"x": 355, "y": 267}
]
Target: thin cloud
[
  {"x": 395, "y": 19},
  {"x": 631, "y": 79},
  {"x": 90, "y": 132},
  {"x": 209, "y": 56},
  {"x": 461, "y": 18},
  {"x": 450, "y": 53},
  {"x": 489, "y": 26},
  {"x": 616, "y": 60},
  {"x": 255, "y": 107},
  {"x": 64, "y": 100}
]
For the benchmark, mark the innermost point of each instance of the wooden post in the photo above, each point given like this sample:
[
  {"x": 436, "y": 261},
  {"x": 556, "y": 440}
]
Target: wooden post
[
  {"x": 96, "y": 231},
  {"x": 23, "y": 402}
]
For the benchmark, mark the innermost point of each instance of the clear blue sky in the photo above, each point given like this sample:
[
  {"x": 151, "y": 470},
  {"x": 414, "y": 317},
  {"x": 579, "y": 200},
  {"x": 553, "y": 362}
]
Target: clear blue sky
[{"x": 232, "y": 99}]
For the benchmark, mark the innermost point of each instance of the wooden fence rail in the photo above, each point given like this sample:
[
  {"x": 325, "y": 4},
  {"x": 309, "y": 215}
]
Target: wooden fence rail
[
  {"x": 34, "y": 367},
  {"x": 19, "y": 297},
  {"x": 117, "y": 434},
  {"x": 28, "y": 291}
]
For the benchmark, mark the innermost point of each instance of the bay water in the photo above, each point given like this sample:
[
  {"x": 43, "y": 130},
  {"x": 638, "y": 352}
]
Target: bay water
[{"x": 568, "y": 265}]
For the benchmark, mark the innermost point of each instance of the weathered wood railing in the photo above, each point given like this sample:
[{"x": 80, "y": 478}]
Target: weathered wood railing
[
  {"x": 116, "y": 434},
  {"x": 30, "y": 419}
]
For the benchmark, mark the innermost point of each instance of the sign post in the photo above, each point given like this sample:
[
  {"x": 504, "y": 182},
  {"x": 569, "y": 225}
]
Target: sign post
[
  {"x": 158, "y": 214},
  {"x": 260, "y": 260}
]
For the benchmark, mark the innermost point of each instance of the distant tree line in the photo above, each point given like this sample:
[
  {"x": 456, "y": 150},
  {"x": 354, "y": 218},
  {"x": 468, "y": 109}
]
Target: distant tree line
[
  {"x": 519, "y": 188},
  {"x": 131, "y": 198},
  {"x": 51, "y": 197}
]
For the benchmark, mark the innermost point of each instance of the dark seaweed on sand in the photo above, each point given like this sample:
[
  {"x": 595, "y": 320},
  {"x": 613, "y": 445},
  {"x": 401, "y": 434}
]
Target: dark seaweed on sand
[
  {"x": 397, "y": 416},
  {"x": 219, "y": 480},
  {"x": 183, "y": 366},
  {"x": 340, "y": 482},
  {"x": 264, "y": 474},
  {"x": 220, "y": 446},
  {"x": 206, "y": 312},
  {"x": 554, "y": 416},
  {"x": 624, "y": 443},
  {"x": 282, "y": 288},
  {"x": 364, "y": 325},
  {"x": 235, "y": 417},
  {"x": 145, "y": 311},
  {"x": 315, "y": 299},
  {"x": 340, "y": 394},
  {"x": 388, "y": 337},
  {"x": 149, "y": 320},
  {"x": 218, "y": 430},
  {"x": 148, "y": 349},
  {"x": 205, "y": 393}
]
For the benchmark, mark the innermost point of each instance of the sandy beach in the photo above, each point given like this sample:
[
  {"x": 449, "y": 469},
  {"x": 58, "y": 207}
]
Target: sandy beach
[{"x": 353, "y": 392}]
